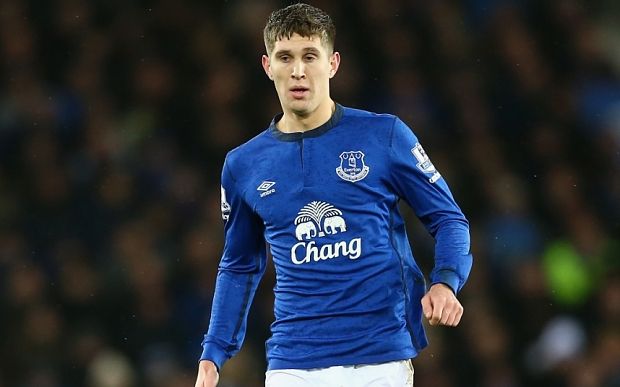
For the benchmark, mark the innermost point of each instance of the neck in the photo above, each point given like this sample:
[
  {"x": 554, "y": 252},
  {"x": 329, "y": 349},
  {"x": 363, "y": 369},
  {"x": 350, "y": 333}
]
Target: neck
[{"x": 292, "y": 122}]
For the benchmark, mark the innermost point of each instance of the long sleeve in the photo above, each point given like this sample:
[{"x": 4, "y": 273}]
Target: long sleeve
[
  {"x": 416, "y": 180},
  {"x": 240, "y": 270}
]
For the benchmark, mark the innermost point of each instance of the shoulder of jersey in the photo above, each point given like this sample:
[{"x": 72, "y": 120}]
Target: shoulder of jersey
[
  {"x": 252, "y": 146},
  {"x": 378, "y": 121},
  {"x": 359, "y": 113}
]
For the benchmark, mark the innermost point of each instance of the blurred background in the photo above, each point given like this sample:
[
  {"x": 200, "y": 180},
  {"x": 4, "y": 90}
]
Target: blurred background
[{"x": 115, "y": 117}]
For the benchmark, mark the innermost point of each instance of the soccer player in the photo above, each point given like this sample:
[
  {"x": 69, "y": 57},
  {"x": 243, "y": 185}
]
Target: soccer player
[{"x": 321, "y": 185}]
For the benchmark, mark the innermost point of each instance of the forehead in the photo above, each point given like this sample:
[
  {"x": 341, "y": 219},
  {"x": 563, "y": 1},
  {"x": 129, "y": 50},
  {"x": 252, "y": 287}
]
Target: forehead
[{"x": 299, "y": 43}]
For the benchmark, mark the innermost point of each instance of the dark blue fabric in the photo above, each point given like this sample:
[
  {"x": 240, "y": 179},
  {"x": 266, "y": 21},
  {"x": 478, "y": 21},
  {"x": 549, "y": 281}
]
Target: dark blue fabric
[{"x": 348, "y": 288}]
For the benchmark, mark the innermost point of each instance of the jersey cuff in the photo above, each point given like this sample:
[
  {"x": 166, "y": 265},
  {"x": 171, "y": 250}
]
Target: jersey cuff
[
  {"x": 446, "y": 276},
  {"x": 213, "y": 353}
]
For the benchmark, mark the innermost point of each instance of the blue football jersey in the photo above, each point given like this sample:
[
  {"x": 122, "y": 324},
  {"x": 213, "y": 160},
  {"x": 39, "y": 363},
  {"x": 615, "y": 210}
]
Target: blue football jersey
[{"x": 348, "y": 288}]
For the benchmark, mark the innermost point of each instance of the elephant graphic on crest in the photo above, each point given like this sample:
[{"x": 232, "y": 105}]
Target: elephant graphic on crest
[
  {"x": 334, "y": 224},
  {"x": 305, "y": 230}
]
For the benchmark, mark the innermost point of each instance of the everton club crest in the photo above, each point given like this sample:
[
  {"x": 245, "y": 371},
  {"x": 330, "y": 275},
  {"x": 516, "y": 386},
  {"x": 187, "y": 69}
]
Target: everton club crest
[{"x": 352, "y": 167}]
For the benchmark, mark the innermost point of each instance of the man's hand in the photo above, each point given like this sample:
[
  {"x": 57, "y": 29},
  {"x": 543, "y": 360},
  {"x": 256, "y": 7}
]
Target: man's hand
[
  {"x": 207, "y": 374},
  {"x": 441, "y": 307}
]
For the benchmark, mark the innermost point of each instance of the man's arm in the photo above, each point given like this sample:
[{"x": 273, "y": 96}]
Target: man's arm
[
  {"x": 240, "y": 270},
  {"x": 416, "y": 179}
]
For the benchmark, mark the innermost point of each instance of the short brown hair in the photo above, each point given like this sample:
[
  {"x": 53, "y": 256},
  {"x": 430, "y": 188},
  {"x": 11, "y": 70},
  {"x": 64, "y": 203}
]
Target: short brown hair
[{"x": 302, "y": 19}]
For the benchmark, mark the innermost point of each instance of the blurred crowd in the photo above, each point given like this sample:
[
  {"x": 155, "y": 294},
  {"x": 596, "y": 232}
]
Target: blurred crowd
[{"x": 115, "y": 117}]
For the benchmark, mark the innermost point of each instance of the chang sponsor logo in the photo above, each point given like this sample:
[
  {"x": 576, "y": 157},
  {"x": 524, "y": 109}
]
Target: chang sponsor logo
[
  {"x": 316, "y": 220},
  {"x": 306, "y": 252}
]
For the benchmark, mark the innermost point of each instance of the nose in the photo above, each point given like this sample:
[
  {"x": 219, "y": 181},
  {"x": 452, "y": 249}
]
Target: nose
[{"x": 299, "y": 70}]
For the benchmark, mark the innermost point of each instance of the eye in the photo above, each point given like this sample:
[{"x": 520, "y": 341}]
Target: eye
[
  {"x": 310, "y": 57},
  {"x": 285, "y": 58}
]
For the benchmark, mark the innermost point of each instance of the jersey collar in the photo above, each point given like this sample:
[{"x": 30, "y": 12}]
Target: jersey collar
[{"x": 333, "y": 120}]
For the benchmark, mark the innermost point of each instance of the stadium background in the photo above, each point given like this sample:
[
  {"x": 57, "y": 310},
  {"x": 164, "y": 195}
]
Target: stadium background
[{"x": 115, "y": 117}]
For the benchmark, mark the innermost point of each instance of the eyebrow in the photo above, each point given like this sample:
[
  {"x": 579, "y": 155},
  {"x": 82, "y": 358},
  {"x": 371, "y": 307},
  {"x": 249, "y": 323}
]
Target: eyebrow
[{"x": 305, "y": 50}]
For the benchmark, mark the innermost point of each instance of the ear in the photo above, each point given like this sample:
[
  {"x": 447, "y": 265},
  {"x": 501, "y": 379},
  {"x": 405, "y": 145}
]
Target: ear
[
  {"x": 334, "y": 63},
  {"x": 267, "y": 66}
]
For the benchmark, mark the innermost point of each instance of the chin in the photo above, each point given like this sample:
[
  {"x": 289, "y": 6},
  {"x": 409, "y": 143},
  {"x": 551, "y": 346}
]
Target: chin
[{"x": 300, "y": 108}]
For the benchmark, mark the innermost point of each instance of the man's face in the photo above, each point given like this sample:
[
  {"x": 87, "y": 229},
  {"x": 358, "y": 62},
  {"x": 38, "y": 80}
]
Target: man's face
[{"x": 301, "y": 68}]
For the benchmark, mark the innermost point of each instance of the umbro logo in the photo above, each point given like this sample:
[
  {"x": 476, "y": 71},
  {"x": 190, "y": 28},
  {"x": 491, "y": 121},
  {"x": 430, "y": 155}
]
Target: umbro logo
[{"x": 265, "y": 188}]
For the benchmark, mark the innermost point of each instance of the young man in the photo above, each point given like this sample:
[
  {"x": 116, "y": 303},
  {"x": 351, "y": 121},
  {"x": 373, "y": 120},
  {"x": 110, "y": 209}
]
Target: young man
[{"x": 321, "y": 186}]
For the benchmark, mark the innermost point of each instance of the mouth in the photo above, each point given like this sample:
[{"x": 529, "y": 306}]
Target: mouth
[{"x": 298, "y": 92}]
